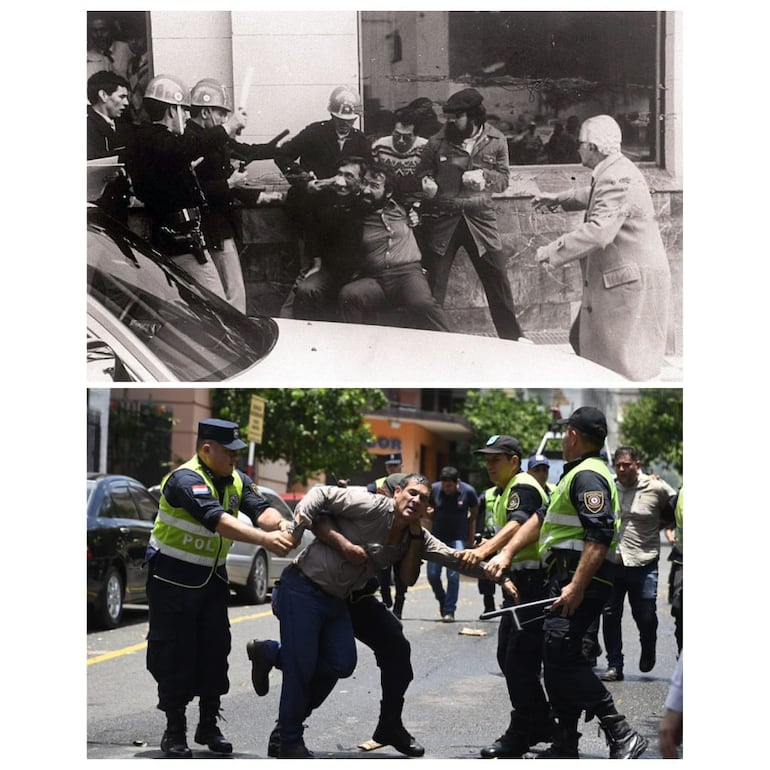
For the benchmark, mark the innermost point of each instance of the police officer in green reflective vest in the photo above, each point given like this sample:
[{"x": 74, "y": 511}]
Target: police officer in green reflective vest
[
  {"x": 577, "y": 541},
  {"x": 189, "y": 631},
  {"x": 519, "y": 650},
  {"x": 487, "y": 527}
]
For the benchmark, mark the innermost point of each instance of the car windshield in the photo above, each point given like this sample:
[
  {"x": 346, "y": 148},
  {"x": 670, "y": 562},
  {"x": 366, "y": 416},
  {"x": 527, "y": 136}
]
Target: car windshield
[
  {"x": 90, "y": 486},
  {"x": 197, "y": 335}
]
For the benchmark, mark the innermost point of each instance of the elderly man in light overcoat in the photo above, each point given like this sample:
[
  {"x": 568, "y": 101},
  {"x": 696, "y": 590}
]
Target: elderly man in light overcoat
[{"x": 623, "y": 317}]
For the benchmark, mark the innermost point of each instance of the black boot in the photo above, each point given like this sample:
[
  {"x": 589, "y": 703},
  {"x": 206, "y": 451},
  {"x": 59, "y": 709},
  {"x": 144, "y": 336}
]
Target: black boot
[
  {"x": 624, "y": 742},
  {"x": 274, "y": 742},
  {"x": 565, "y": 742},
  {"x": 398, "y": 606},
  {"x": 174, "y": 740},
  {"x": 207, "y": 732},
  {"x": 523, "y": 732}
]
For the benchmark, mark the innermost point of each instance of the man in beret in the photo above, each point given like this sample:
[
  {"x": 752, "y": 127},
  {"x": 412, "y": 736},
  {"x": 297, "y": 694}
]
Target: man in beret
[
  {"x": 187, "y": 590},
  {"x": 626, "y": 275},
  {"x": 461, "y": 166},
  {"x": 576, "y": 539}
]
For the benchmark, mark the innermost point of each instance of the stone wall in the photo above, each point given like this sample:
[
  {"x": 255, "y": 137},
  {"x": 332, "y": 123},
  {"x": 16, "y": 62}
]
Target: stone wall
[{"x": 546, "y": 300}]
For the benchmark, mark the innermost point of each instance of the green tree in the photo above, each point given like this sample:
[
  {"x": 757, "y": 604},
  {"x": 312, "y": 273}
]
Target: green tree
[
  {"x": 497, "y": 411},
  {"x": 313, "y": 429},
  {"x": 654, "y": 426}
]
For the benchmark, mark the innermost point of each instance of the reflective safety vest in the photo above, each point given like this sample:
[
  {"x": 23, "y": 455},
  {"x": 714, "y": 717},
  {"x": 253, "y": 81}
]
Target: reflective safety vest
[
  {"x": 490, "y": 498},
  {"x": 180, "y": 535},
  {"x": 562, "y": 527},
  {"x": 528, "y": 557}
]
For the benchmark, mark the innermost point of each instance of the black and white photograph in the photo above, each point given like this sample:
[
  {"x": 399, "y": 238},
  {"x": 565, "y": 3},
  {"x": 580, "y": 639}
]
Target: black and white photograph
[{"x": 270, "y": 191}]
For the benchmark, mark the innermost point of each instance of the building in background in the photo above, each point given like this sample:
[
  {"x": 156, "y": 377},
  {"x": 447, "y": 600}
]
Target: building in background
[{"x": 145, "y": 432}]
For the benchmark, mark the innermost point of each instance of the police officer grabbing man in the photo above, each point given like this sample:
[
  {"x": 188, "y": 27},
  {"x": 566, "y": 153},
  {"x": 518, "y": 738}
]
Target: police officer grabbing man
[
  {"x": 189, "y": 632},
  {"x": 211, "y": 105},
  {"x": 161, "y": 164}
]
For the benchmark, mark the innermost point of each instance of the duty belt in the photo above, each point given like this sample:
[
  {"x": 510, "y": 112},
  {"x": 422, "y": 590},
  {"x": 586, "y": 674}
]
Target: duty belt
[
  {"x": 181, "y": 233},
  {"x": 189, "y": 216}
]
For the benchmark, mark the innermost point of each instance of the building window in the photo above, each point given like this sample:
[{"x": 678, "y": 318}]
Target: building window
[{"x": 541, "y": 72}]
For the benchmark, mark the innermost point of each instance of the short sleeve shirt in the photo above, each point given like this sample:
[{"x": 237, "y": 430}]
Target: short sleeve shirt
[{"x": 450, "y": 520}]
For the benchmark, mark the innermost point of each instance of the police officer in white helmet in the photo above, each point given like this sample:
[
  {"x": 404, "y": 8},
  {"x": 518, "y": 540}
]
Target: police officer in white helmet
[
  {"x": 160, "y": 167},
  {"x": 211, "y": 105}
]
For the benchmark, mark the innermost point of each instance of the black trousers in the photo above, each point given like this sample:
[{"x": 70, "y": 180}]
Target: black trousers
[
  {"x": 380, "y": 630},
  {"x": 570, "y": 681},
  {"x": 520, "y": 652},
  {"x": 491, "y": 269},
  {"x": 188, "y": 642}
]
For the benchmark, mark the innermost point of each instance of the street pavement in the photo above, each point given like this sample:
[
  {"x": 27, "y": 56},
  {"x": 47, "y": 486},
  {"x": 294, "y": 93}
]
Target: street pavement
[{"x": 456, "y": 704}]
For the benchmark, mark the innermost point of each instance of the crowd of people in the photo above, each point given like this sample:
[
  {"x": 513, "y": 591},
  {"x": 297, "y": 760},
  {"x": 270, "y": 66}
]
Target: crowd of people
[
  {"x": 562, "y": 556},
  {"x": 379, "y": 223}
]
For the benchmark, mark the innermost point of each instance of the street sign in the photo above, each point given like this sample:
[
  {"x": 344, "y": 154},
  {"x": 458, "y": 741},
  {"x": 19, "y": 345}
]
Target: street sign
[{"x": 256, "y": 419}]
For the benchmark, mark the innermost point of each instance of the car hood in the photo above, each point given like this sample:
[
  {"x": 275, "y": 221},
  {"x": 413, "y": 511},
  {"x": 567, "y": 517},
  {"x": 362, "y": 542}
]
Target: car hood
[{"x": 335, "y": 354}]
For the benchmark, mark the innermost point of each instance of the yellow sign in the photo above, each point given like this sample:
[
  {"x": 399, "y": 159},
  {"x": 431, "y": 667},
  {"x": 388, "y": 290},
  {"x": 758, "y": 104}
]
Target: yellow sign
[{"x": 256, "y": 419}]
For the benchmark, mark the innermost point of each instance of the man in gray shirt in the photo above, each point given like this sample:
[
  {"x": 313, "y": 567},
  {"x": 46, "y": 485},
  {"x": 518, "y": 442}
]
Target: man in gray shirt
[
  {"x": 642, "y": 500},
  {"x": 317, "y": 644}
]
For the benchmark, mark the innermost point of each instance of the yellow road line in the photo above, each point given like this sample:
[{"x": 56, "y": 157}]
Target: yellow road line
[{"x": 143, "y": 645}]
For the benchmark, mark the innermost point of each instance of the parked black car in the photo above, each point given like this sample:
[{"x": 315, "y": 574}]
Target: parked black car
[{"x": 120, "y": 516}]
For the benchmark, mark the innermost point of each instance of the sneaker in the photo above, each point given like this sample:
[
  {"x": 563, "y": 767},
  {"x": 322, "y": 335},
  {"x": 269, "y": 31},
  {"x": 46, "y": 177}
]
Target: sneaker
[
  {"x": 612, "y": 674},
  {"x": 260, "y": 666},
  {"x": 448, "y": 617}
]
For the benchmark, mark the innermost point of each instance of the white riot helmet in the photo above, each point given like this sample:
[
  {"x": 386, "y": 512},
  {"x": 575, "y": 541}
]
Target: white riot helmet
[
  {"x": 168, "y": 89},
  {"x": 211, "y": 93},
  {"x": 345, "y": 103}
]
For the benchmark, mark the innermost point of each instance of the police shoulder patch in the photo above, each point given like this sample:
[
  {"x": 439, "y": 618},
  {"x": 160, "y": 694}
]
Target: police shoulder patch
[
  {"x": 514, "y": 502},
  {"x": 594, "y": 501},
  {"x": 255, "y": 490}
]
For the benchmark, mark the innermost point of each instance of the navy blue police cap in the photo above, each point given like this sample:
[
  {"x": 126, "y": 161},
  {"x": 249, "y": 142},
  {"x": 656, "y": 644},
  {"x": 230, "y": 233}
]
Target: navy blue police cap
[{"x": 223, "y": 432}]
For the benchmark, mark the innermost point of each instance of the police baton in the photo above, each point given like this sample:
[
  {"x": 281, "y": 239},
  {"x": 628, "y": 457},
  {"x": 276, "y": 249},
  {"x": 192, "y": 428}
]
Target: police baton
[{"x": 546, "y": 605}]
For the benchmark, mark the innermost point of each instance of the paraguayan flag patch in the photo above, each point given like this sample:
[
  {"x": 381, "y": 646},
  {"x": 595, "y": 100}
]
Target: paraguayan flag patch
[{"x": 200, "y": 489}]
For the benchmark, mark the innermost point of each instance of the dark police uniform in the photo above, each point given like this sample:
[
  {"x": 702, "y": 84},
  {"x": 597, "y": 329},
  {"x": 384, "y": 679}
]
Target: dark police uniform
[
  {"x": 159, "y": 166},
  {"x": 520, "y": 651},
  {"x": 315, "y": 149},
  {"x": 583, "y": 508},
  {"x": 188, "y": 641},
  {"x": 213, "y": 172}
]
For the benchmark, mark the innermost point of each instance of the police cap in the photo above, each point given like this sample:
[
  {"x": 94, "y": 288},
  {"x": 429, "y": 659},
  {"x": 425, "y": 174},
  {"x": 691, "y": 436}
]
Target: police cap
[
  {"x": 394, "y": 458},
  {"x": 501, "y": 445},
  {"x": 393, "y": 481},
  {"x": 537, "y": 460},
  {"x": 464, "y": 100},
  {"x": 223, "y": 432},
  {"x": 588, "y": 420}
]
